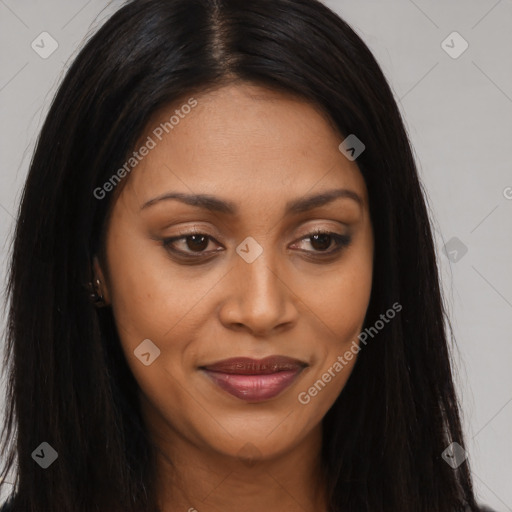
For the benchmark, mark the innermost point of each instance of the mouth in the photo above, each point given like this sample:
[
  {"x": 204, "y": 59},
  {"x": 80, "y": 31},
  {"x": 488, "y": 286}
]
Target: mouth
[{"x": 254, "y": 380}]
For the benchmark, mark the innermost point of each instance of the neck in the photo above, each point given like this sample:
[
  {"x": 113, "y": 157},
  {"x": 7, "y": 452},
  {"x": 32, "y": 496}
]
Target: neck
[{"x": 194, "y": 478}]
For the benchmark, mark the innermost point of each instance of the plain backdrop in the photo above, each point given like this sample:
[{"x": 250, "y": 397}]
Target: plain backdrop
[{"x": 457, "y": 106}]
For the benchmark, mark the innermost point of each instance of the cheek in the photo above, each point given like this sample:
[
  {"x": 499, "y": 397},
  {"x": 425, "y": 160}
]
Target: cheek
[
  {"x": 147, "y": 293},
  {"x": 148, "y": 303},
  {"x": 352, "y": 298},
  {"x": 341, "y": 307},
  {"x": 151, "y": 300},
  {"x": 344, "y": 298}
]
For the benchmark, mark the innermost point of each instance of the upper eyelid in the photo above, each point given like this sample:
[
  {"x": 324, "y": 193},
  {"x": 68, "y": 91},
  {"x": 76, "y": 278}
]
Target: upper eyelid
[{"x": 308, "y": 229}]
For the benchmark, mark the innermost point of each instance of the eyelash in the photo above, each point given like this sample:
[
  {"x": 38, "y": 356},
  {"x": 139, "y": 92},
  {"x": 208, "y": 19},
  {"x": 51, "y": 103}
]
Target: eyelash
[{"x": 341, "y": 241}]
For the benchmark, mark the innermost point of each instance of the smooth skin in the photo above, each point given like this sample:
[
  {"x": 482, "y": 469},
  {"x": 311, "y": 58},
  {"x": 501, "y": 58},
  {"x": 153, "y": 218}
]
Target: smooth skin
[{"x": 200, "y": 302}]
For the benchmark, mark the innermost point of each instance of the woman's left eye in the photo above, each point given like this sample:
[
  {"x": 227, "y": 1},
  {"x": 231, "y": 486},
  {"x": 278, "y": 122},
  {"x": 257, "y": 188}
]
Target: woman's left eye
[
  {"x": 323, "y": 240},
  {"x": 197, "y": 243}
]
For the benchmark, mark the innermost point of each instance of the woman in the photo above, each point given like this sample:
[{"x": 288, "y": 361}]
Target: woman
[{"x": 224, "y": 292}]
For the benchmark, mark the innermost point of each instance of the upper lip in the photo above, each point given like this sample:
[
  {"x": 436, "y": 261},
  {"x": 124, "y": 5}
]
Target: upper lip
[{"x": 249, "y": 366}]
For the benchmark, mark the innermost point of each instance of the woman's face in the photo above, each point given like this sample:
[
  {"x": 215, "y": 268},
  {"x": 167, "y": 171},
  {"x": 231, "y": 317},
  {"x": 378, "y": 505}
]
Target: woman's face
[{"x": 254, "y": 282}]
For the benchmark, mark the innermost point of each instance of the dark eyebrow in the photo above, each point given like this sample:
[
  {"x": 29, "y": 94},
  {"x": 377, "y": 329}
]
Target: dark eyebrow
[
  {"x": 204, "y": 201},
  {"x": 315, "y": 200},
  {"x": 296, "y": 206}
]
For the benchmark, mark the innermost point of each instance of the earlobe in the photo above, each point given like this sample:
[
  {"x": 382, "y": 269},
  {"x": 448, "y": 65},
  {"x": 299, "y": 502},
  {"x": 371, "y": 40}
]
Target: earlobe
[{"x": 100, "y": 284}]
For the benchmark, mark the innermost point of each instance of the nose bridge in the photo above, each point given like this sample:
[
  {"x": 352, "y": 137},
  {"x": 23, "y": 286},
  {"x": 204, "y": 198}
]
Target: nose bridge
[
  {"x": 261, "y": 299},
  {"x": 260, "y": 278}
]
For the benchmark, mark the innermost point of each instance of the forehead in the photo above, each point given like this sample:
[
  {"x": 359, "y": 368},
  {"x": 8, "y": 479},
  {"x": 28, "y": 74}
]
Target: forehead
[{"x": 243, "y": 141}]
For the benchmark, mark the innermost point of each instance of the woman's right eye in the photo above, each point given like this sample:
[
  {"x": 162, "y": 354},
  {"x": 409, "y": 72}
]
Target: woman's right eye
[{"x": 193, "y": 242}]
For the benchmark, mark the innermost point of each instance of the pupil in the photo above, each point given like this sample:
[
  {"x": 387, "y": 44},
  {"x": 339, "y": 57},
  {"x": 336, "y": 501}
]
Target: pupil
[
  {"x": 196, "y": 244},
  {"x": 325, "y": 241}
]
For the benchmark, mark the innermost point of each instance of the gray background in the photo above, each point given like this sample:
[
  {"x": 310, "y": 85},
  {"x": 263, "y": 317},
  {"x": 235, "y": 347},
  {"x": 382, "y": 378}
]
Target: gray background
[{"x": 458, "y": 112}]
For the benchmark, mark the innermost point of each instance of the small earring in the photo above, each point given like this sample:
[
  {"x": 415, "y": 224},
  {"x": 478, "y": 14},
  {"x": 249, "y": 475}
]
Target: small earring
[{"x": 96, "y": 298}]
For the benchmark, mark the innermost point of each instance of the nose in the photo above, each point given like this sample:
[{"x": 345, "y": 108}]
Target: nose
[{"x": 260, "y": 300}]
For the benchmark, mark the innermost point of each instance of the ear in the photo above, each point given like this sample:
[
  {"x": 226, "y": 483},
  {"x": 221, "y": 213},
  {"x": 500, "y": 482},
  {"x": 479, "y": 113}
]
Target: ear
[{"x": 103, "y": 286}]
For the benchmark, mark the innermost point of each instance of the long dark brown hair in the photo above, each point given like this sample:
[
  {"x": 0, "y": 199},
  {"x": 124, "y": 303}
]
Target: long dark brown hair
[{"x": 68, "y": 382}]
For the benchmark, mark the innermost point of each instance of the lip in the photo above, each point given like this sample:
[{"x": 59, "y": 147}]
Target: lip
[{"x": 254, "y": 380}]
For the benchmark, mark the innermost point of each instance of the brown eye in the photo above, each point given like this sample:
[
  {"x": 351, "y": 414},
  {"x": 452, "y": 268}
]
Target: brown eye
[
  {"x": 321, "y": 241},
  {"x": 196, "y": 242},
  {"x": 191, "y": 245}
]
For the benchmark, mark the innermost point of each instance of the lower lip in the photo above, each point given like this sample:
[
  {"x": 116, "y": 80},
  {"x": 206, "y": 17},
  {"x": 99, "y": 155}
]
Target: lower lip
[{"x": 254, "y": 388}]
